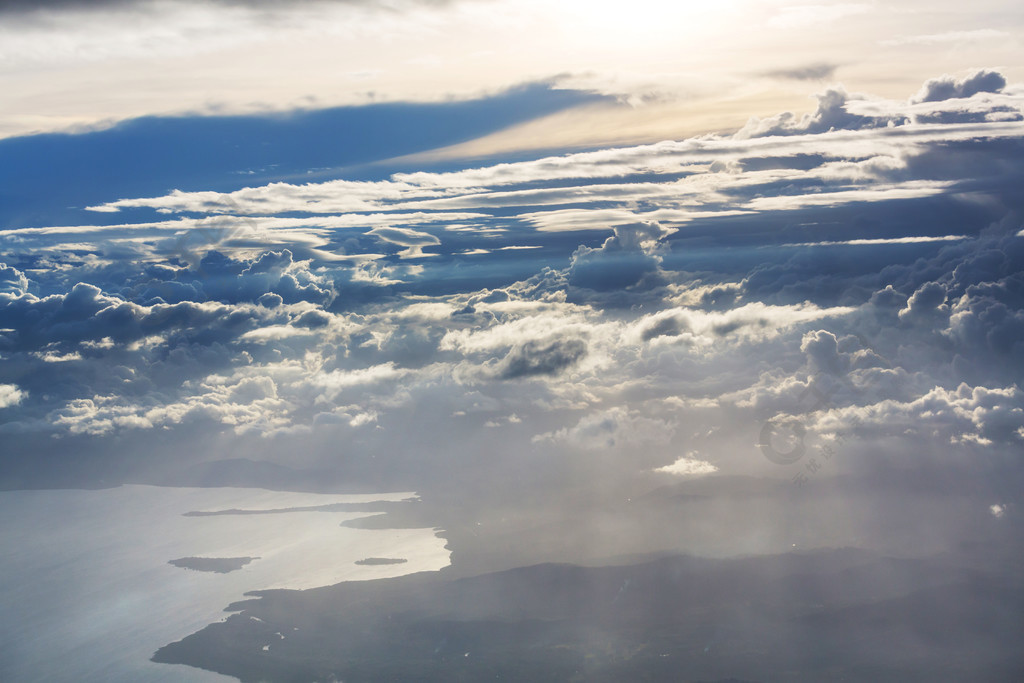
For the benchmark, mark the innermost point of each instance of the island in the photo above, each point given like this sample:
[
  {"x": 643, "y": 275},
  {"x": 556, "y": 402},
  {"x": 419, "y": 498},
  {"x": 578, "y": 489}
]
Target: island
[
  {"x": 381, "y": 560},
  {"x": 220, "y": 565}
]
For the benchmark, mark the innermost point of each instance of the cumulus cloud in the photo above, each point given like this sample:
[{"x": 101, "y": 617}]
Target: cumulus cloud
[
  {"x": 625, "y": 259},
  {"x": 688, "y": 466},
  {"x": 966, "y": 414},
  {"x": 87, "y": 314},
  {"x": 10, "y": 395},
  {"x": 832, "y": 113},
  {"x": 926, "y": 303},
  {"x": 822, "y": 350},
  {"x": 949, "y": 87}
]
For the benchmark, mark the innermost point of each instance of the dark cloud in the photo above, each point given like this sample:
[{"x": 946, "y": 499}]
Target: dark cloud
[
  {"x": 822, "y": 350},
  {"x": 313, "y": 320},
  {"x": 669, "y": 326},
  {"x": 270, "y": 300},
  {"x": 541, "y": 357},
  {"x": 218, "y": 277},
  {"x": 887, "y": 299},
  {"x": 988, "y": 325},
  {"x": 626, "y": 259},
  {"x": 927, "y": 303},
  {"x": 809, "y": 72},
  {"x": 949, "y": 87},
  {"x": 86, "y": 314},
  {"x": 270, "y": 262}
]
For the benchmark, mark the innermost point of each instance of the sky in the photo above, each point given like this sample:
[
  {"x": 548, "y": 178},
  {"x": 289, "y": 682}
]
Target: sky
[
  {"x": 670, "y": 69},
  {"x": 528, "y": 259}
]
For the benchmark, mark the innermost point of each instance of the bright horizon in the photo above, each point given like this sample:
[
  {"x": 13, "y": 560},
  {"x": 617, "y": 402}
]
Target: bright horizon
[{"x": 671, "y": 69}]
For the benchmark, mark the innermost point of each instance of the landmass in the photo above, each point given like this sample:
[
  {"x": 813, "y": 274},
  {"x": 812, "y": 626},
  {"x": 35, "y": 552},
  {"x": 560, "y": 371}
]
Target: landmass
[{"x": 836, "y": 615}]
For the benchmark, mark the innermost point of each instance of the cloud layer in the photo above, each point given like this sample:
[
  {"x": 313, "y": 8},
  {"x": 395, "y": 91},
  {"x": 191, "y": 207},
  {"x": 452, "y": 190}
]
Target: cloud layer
[{"x": 810, "y": 299}]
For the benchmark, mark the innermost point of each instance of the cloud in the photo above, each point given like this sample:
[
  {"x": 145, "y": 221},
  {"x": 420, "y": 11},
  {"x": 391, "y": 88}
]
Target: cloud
[
  {"x": 313, "y": 319},
  {"x": 743, "y": 323},
  {"x": 12, "y": 281},
  {"x": 928, "y": 302},
  {"x": 684, "y": 292},
  {"x": 87, "y": 316},
  {"x": 979, "y": 415},
  {"x": 10, "y": 395},
  {"x": 334, "y": 382},
  {"x": 822, "y": 351},
  {"x": 624, "y": 260},
  {"x": 817, "y": 71},
  {"x": 990, "y": 319},
  {"x": 248, "y": 404},
  {"x": 831, "y": 113},
  {"x": 541, "y": 358},
  {"x": 413, "y": 240},
  {"x": 860, "y": 281},
  {"x": 612, "y": 428},
  {"x": 949, "y": 87},
  {"x": 688, "y": 466}
]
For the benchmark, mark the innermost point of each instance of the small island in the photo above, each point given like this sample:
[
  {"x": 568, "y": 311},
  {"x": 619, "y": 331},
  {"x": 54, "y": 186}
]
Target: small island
[
  {"x": 220, "y": 565},
  {"x": 381, "y": 560}
]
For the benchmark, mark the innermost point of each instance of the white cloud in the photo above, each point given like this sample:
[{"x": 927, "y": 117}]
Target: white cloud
[
  {"x": 612, "y": 428},
  {"x": 880, "y": 240},
  {"x": 336, "y": 381},
  {"x": 413, "y": 240},
  {"x": 10, "y": 395},
  {"x": 966, "y": 414},
  {"x": 688, "y": 466}
]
